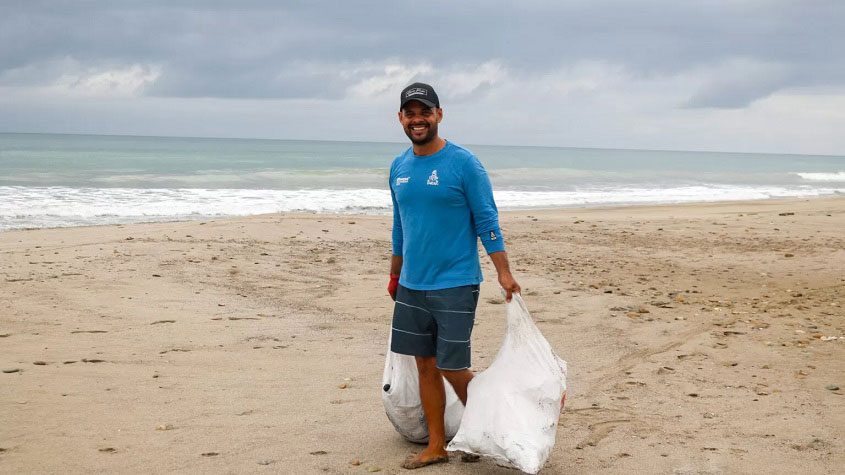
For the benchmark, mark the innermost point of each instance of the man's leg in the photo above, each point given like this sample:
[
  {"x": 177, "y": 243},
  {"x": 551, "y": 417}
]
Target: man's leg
[
  {"x": 433, "y": 396},
  {"x": 459, "y": 380}
]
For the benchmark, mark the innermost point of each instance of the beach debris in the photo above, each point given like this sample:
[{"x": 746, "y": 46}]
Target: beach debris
[
  {"x": 162, "y": 321},
  {"x": 787, "y": 213},
  {"x": 495, "y": 301},
  {"x": 165, "y": 427},
  {"x": 318, "y": 452},
  {"x": 89, "y": 331},
  {"x": 355, "y": 462},
  {"x": 829, "y": 387},
  {"x": 709, "y": 415},
  {"x": 39, "y": 363},
  {"x": 178, "y": 350},
  {"x": 788, "y": 254},
  {"x": 92, "y": 360},
  {"x": 108, "y": 450},
  {"x": 815, "y": 444},
  {"x": 665, "y": 370},
  {"x": 266, "y": 462},
  {"x": 343, "y": 386},
  {"x": 692, "y": 394},
  {"x": 4, "y": 335},
  {"x": 156, "y": 275},
  {"x": 69, "y": 362},
  {"x": 373, "y": 468},
  {"x": 210, "y": 454},
  {"x": 12, "y": 370}
]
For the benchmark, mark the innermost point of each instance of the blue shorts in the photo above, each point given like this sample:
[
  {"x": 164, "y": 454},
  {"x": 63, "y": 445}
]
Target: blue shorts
[{"x": 435, "y": 323}]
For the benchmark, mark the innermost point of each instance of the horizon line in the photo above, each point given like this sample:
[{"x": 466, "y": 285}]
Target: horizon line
[{"x": 404, "y": 143}]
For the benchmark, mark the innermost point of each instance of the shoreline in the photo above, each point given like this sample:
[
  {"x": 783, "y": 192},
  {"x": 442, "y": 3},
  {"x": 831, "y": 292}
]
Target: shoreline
[
  {"x": 598, "y": 207},
  {"x": 700, "y": 337}
]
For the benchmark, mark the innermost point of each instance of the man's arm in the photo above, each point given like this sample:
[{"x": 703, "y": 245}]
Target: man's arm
[
  {"x": 397, "y": 241},
  {"x": 395, "y": 269},
  {"x": 479, "y": 193},
  {"x": 506, "y": 280},
  {"x": 395, "y": 264}
]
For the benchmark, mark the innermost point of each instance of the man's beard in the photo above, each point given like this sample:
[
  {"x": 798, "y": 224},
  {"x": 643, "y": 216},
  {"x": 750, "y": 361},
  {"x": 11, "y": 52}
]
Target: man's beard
[{"x": 432, "y": 132}]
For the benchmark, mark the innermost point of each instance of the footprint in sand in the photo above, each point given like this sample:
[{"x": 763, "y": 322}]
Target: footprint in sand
[{"x": 599, "y": 431}]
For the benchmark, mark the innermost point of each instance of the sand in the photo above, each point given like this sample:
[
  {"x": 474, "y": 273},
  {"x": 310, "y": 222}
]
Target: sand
[{"x": 701, "y": 338}]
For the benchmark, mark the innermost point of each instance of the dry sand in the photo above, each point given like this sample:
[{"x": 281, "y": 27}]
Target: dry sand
[{"x": 700, "y": 339}]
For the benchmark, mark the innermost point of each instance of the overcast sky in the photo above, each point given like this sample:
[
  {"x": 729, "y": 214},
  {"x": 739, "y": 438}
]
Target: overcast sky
[{"x": 732, "y": 75}]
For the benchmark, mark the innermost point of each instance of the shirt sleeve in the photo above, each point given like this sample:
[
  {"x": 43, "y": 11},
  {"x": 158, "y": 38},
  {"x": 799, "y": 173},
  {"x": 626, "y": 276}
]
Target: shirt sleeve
[
  {"x": 397, "y": 222},
  {"x": 479, "y": 194}
]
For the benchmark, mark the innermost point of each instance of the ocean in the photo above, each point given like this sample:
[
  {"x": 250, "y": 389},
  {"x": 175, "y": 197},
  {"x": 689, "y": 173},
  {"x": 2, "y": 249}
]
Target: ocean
[{"x": 52, "y": 180}]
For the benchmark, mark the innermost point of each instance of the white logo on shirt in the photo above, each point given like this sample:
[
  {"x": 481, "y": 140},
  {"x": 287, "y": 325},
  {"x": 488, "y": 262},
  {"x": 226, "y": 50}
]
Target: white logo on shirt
[
  {"x": 492, "y": 235},
  {"x": 432, "y": 180},
  {"x": 402, "y": 179}
]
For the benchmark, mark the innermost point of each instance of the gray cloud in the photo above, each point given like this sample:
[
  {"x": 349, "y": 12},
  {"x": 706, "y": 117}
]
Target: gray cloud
[
  {"x": 268, "y": 49},
  {"x": 745, "y": 75}
]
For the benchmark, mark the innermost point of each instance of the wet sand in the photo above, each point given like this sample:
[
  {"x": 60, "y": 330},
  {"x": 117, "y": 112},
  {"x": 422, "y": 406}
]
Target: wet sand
[{"x": 701, "y": 338}]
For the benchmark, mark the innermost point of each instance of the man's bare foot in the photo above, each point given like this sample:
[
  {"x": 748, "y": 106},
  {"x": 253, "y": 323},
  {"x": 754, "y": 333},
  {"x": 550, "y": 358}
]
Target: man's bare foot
[{"x": 425, "y": 458}]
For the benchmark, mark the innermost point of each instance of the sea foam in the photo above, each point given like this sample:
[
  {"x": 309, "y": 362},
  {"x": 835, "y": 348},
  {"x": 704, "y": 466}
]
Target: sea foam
[
  {"x": 38, "y": 207},
  {"x": 833, "y": 177}
]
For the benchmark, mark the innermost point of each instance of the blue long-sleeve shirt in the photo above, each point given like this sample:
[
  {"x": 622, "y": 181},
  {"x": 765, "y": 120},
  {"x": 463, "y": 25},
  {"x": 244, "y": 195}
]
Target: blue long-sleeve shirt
[{"x": 442, "y": 204}]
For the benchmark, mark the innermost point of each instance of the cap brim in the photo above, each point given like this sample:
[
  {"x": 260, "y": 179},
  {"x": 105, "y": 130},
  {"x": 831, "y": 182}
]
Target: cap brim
[{"x": 424, "y": 101}]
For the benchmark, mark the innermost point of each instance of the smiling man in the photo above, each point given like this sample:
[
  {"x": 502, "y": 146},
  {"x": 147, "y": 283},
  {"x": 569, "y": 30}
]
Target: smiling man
[{"x": 442, "y": 203}]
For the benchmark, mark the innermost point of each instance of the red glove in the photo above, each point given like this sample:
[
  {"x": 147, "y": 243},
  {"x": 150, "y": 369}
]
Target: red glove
[{"x": 392, "y": 285}]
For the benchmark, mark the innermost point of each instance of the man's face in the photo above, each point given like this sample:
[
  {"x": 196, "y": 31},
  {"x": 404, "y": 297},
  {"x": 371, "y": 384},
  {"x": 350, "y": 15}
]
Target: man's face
[{"x": 420, "y": 122}]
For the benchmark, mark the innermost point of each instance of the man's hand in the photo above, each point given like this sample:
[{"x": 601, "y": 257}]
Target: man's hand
[
  {"x": 506, "y": 280},
  {"x": 393, "y": 285},
  {"x": 509, "y": 285}
]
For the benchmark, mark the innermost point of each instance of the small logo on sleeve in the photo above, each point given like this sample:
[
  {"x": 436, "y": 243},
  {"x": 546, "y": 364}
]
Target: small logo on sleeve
[
  {"x": 433, "y": 180},
  {"x": 492, "y": 235},
  {"x": 402, "y": 179}
]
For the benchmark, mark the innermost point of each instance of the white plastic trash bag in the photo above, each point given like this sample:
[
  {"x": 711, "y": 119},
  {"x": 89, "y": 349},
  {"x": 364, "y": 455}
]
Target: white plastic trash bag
[
  {"x": 514, "y": 405},
  {"x": 401, "y": 397}
]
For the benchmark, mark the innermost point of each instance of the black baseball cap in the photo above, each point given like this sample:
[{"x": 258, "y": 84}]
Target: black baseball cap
[{"x": 419, "y": 92}]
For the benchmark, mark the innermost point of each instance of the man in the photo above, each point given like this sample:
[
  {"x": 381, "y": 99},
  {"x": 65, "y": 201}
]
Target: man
[{"x": 442, "y": 203}]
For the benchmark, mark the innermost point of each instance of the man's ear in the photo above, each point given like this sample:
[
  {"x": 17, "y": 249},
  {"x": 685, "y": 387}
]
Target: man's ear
[
  {"x": 439, "y": 114},
  {"x": 399, "y": 115}
]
